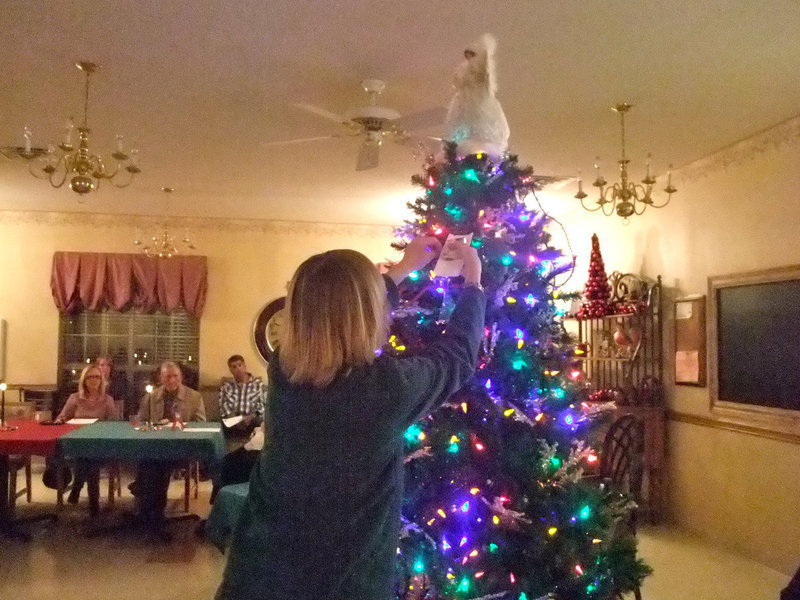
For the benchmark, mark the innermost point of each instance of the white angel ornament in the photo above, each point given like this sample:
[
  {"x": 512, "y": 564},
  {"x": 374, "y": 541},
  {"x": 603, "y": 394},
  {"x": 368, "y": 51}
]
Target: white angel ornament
[{"x": 475, "y": 120}]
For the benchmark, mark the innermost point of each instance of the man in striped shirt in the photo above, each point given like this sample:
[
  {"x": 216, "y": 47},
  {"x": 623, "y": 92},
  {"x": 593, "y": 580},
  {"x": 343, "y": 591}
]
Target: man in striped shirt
[{"x": 245, "y": 396}]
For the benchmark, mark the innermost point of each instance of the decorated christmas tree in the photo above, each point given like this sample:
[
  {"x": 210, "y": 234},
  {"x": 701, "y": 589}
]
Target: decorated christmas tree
[{"x": 496, "y": 502}]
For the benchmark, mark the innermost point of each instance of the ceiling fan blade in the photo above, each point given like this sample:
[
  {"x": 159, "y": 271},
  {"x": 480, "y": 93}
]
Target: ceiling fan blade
[
  {"x": 555, "y": 182},
  {"x": 299, "y": 140},
  {"x": 321, "y": 112},
  {"x": 422, "y": 119},
  {"x": 368, "y": 156}
]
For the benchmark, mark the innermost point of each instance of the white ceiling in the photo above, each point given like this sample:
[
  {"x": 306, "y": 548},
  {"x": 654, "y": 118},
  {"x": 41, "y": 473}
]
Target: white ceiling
[{"x": 200, "y": 86}]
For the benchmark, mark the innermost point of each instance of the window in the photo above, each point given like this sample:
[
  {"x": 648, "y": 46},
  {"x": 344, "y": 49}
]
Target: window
[{"x": 137, "y": 342}]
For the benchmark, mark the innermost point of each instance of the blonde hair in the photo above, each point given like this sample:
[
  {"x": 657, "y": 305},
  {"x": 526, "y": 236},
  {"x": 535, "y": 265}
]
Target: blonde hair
[
  {"x": 337, "y": 315},
  {"x": 82, "y": 380}
]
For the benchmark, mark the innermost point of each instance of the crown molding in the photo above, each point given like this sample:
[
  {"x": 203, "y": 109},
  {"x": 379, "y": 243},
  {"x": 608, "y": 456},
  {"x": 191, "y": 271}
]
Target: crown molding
[
  {"x": 769, "y": 140},
  {"x": 111, "y": 221}
]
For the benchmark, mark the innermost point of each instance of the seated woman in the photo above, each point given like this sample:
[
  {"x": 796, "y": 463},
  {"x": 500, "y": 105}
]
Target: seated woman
[
  {"x": 89, "y": 402},
  {"x": 117, "y": 385}
]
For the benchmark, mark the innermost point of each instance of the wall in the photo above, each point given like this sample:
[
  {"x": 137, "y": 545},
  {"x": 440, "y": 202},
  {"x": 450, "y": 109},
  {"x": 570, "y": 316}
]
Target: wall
[
  {"x": 249, "y": 263},
  {"x": 735, "y": 211}
]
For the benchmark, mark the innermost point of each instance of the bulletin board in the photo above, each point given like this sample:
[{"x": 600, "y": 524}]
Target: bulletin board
[{"x": 689, "y": 317}]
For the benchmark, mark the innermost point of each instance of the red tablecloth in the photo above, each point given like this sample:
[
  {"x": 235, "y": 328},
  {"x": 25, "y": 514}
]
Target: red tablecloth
[{"x": 32, "y": 438}]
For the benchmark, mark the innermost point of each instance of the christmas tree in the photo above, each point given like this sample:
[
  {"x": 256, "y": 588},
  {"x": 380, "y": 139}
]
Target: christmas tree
[
  {"x": 496, "y": 502},
  {"x": 597, "y": 291}
]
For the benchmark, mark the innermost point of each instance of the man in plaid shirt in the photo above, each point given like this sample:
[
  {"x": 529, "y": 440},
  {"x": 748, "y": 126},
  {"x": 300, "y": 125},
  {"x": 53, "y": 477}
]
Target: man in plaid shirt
[{"x": 244, "y": 396}]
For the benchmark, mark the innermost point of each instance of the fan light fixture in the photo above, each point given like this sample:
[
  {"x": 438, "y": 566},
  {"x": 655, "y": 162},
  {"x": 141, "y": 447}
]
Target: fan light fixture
[
  {"x": 625, "y": 198},
  {"x": 80, "y": 166}
]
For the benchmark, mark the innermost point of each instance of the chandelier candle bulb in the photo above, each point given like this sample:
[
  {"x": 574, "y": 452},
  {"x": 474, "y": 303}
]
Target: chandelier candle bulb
[{"x": 68, "y": 127}]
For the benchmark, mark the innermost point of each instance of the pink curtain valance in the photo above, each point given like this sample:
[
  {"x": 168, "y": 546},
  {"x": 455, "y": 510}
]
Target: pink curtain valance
[{"x": 91, "y": 280}]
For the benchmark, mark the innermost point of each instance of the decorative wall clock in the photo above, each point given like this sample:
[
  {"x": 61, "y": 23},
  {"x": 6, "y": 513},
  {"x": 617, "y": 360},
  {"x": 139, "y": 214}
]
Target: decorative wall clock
[{"x": 267, "y": 327}]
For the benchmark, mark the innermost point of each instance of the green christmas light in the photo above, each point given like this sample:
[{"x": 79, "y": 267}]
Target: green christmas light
[
  {"x": 454, "y": 211},
  {"x": 507, "y": 260},
  {"x": 453, "y": 448},
  {"x": 585, "y": 512},
  {"x": 448, "y": 191},
  {"x": 591, "y": 587},
  {"x": 419, "y": 567},
  {"x": 518, "y": 364},
  {"x": 413, "y": 432},
  {"x": 523, "y": 596},
  {"x": 463, "y": 586},
  {"x": 477, "y": 243},
  {"x": 493, "y": 547},
  {"x": 414, "y": 275},
  {"x": 556, "y": 462},
  {"x": 472, "y": 175}
]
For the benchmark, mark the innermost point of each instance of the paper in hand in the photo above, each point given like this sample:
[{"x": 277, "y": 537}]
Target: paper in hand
[
  {"x": 231, "y": 421},
  {"x": 450, "y": 263}
]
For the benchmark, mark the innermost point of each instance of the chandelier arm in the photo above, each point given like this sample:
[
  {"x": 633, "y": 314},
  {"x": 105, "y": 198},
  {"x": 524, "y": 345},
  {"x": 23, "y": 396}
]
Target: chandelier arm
[
  {"x": 39, "y": 167},
  {"x": 63, "y": 161},
  {"x": 662, "y": 205},
  {"x": 112, "y": 180},
  {"x": 586, "y": 208},
  {"x": 612, "y": 204}
]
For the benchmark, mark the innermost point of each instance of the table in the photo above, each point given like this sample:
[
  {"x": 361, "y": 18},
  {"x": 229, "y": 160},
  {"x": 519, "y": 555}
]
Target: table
[
  {"x": 30, "y": 438},
  {"x": 118, "y": 440},
  {"x": 228, "y": 505}
]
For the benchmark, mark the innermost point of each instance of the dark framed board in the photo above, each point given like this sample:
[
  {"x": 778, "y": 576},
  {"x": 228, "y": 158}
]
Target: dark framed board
[{"x": 754, "y": 343}]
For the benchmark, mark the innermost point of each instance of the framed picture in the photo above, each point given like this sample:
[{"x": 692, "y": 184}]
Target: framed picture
[{"x": 689, "y": 318}]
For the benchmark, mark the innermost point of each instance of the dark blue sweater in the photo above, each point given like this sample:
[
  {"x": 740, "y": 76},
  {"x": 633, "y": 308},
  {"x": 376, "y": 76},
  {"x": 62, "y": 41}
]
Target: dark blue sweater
[{"x": 323, "y": 515}]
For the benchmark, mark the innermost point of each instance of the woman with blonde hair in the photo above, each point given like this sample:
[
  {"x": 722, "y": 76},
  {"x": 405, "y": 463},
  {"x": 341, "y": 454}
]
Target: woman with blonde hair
[
  {"x": 89, "y": 402},
  {"x": 322, "y": 518}
]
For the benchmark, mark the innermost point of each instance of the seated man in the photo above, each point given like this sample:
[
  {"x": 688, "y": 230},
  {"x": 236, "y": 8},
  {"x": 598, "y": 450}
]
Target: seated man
[
  {"x": 169, "y": 402},
  {"x": 244, "y": 396}
]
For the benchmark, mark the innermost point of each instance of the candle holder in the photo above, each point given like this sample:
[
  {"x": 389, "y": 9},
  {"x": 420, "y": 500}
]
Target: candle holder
[{"x": 3, "y": 426}]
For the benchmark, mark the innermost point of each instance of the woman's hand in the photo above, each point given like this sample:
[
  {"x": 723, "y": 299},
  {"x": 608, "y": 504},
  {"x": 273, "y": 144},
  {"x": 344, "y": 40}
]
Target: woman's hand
[
  {"x": 419, "y": 252},
  {"x": 472, "y": 269}
]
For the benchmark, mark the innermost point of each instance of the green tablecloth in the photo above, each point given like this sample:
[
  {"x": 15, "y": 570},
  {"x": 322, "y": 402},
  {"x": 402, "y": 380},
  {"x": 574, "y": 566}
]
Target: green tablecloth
[
  {"x": 116, "y": 440},
  {"x": 227, "y": 506}
]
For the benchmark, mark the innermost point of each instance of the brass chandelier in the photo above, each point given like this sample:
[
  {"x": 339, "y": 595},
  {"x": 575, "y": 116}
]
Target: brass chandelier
[
  {"x": 80, "y": 166},
  {"x": 162, "y": 243},
  {"x": 625, "y": 198}
]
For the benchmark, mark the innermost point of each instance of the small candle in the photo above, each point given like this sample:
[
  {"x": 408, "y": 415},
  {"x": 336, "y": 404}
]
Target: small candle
[
  {"x": 119, "y": 143},
  {"x": 648, "y": 166},
  {"x": 28, "y": 135},
  {"x": 68, "y": 132}
]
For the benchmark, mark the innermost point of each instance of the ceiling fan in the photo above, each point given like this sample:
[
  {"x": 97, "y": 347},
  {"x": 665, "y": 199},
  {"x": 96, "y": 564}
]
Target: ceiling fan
[{"x": 373, "y": 124}]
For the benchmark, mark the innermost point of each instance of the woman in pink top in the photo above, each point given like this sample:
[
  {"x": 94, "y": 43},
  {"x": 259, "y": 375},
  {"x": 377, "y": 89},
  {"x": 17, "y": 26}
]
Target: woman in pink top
[{"x": 89, "y": 402}]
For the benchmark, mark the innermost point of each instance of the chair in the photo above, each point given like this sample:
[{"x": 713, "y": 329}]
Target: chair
[
  {"x": 191, "y": 474},
  {"x": 15, "y": 464},
  {"x": 622, "y": 463}
]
